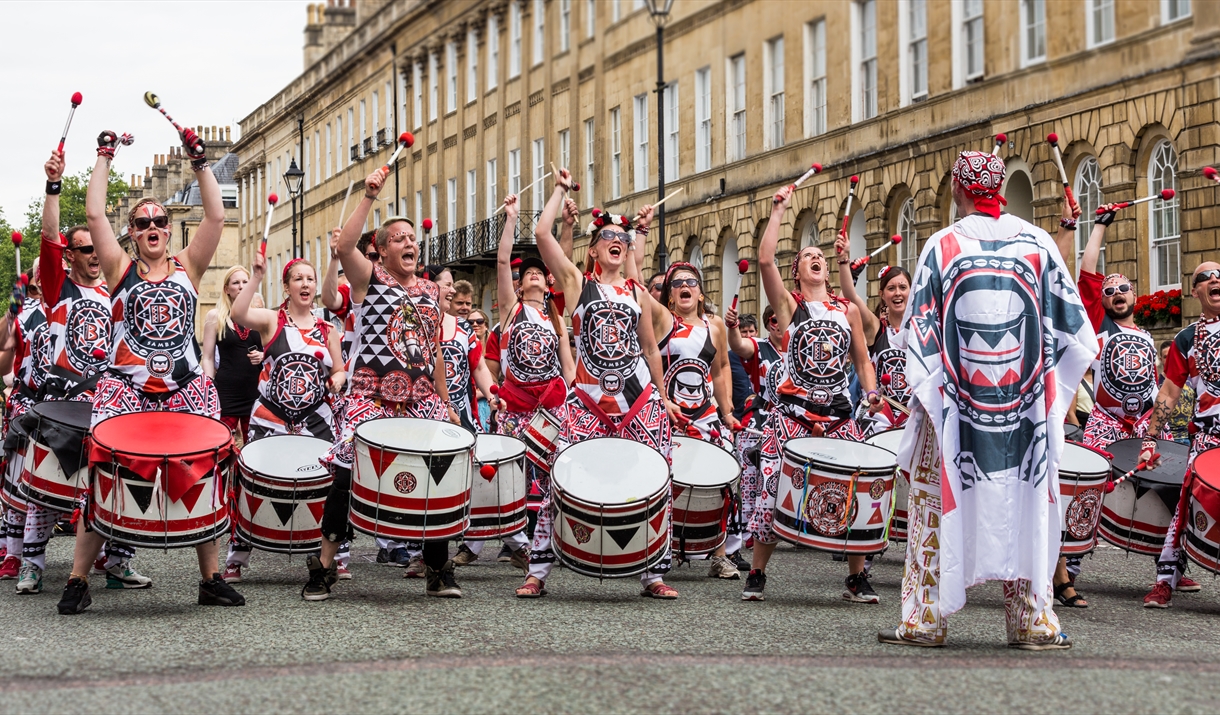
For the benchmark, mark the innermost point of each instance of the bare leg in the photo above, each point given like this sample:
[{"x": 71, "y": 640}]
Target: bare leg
[
  {"x": 329, "y": 549},
  {"x": 88, "y": 543},
  {"x": 761, "y": 555},
  {"x": 855, "y": 564},
  {"x": 209, "y": 554}
]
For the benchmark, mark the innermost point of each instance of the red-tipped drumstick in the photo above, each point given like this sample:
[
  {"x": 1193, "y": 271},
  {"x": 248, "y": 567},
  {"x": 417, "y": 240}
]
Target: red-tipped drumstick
[
  {"x": 1164, "y": 195},
  {"x": 272, "y": 200},
  {"x": 76, "y": 100},
  {"x": 886, "y": 381},
  {"x": 17, "y": 247},
  {"x": 742, "y": 266},
  {"x": 1138, "y": 468},
  {"x": 427, "y": 226},
  {"x": 851, "y": 194},
  {"x": 1053, "y": 140},
  {"x": 999, "y": 142},
  {"x": 1210, "y": 173},
  {"x": 814, "y": 169},
  {"x": 858, "y": 264},
  {"x": 405, "y": 140}
]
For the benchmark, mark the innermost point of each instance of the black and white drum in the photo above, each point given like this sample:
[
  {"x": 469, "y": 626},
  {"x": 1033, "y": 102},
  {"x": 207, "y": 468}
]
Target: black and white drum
[
  {"x": 611, "y": 507},
  {"x": 497, "y": 499},
  {"x": 55, "y": 471},
  {"x": 890, "y": 441},
  {"x": 1135, "y": 516},
  {"x": 541, "y": 436},
  {"x": 1083, "y": 473},
  {"x": 705, "y": 481},
  {"x": 412, "y": 479},
  {"x": 281, "y": 490}
]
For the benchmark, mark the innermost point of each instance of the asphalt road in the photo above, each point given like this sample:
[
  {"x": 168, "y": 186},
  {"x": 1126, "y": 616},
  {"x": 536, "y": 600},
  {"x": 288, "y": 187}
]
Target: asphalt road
[{"x": 379, "y": 645}]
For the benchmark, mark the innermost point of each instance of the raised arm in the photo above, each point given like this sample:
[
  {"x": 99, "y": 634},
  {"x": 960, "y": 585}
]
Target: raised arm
[
  {"x": 260, "y": 319},
  {"x": 51, "y": 253},
  {"x": 357, "y": 267},
  {"x": 1092, "y": 249},
  {"x": 505, "y": 295},
  {"x": 571, "y": 214},
  {"x": 1065, "y": 239},
  {"x": 330, "y": 282},
  {"x": 773, "y": 282},
  {"x": 211, "y": 329},
  {"x": 868, "y": 321},
  {"x": 743, "y": 347},
  {"x": 722, "y": 374},
  {"x": 198, "y": 255},
  {"x": 113, "y": 258},
  {"x": 567, "y": 275}
]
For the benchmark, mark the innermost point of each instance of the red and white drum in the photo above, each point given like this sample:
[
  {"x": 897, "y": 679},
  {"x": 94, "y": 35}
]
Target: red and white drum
[
  {"x": 12, "y": 494},
  {"x": 1083, "y": 473},
  {"x": 540, "y": 437},
  {"x": 158, "y": 479},
  {"x": 497, "y": 501},
  {"x": 411, "y": 480},
  {"x": 704, "y": 486},
  {"x": 1135, "y": 516},
  {"x": 1201, "y": 533},
  {"x": 55, "y": 471},
  {"x": 281, "y": 489},
  {"x": 611, "y": 507},
  {"x": 890, "y": 440},
  {"x": 834, "y": 495}
]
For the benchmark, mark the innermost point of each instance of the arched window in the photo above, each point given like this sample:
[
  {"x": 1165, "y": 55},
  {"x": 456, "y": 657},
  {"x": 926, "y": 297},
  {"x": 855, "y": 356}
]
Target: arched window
[
  {"x": 1164, "y": 240},
  {"x": 809, "y": 232},
  {"x": 696, "y": 257},
  {"x": 1019, "y": 193},
  {"x": 729, "y": 277},
  {"x": 908, "y": 250},
  {"x": 1088, "y": 195}
]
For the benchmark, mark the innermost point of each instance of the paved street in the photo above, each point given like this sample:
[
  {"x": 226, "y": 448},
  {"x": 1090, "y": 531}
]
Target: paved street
[{"x": 380, "y": 646}]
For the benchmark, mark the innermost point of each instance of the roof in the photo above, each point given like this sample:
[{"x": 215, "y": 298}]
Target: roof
[{"x": 223, "y": 170}]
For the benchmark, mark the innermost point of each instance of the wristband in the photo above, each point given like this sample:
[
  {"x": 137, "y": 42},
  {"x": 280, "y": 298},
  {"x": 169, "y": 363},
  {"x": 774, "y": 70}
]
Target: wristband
[
  {"x": 871, "y": 394},
  {"x": 54, "y": 187},
  {"x": 1068, "y": 223},
  {"x": 844, "y": 263},
  {"x": 642, "y": 230},
  {"x": 200, "y": 164},
  {"x": 106, "y": 151}
]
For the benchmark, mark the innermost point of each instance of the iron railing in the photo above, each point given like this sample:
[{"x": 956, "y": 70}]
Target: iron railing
[{"x": 481, "y": 239}]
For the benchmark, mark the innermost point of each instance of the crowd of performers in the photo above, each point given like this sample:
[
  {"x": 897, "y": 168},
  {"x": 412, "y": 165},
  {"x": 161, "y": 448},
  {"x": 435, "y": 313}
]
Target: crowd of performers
[{"x": 978, "y": 357}]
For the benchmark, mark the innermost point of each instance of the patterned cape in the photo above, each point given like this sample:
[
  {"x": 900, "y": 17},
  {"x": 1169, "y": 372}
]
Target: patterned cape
[{"x": 998, "y": 339}]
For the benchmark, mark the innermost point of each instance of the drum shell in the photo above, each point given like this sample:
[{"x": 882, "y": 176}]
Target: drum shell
[
  {"x": 1201, "y": 522},
  {"x": 614, "y": 530},
  {"x": 823, "y": 501},
  {"x": 279, "y": 515},
  {"x": 418, "y": 496},
  {"x": 116, "y": 513},
  {"x": 12, "y": 495},
  {"x": 45, "y": 482},
  {"x": 1080, "y": 499},
  {"x": 1138, "y": 522},
  {"x": 540, "y": 437},
  {"x": 902, "y": 486},
  {"x": 498, "y": 505},
  {"x": 702, "y": 502}
]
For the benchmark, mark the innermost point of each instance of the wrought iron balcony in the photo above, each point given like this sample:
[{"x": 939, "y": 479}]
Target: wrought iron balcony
[
  {"x": 383, "y": 138},
  {"x": 368, "y": 145},
  {"x": 355, "y": 152},
  {"x": 476, "y": 244}
]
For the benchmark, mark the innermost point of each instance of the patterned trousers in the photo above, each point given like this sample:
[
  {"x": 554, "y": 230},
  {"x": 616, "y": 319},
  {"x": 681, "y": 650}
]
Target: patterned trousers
[
  {"x": 1028, "y": 617},
  {"x": 1172, "y": 562}
]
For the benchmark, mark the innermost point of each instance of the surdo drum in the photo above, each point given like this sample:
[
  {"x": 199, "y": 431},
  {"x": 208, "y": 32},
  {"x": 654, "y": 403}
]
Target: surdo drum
[
  {"x": 12, "y": 494},
  {"x": 1083, "y": 473},
  {"x": 834, "y": 495},
  {"x": 705, "y": 479},
  {"x": 158, "y": 478},
  {"x": 412, "y": 479},
  {"x": 1136, "y": 515},
  {"x": 890, "y": 441},
  {"x": 56, "y": 467},
  {"x": 1201, "y": 530},
  {"x": 497, "y": 499},
  {"x": 611, "y": 507},
  {"x": 281, "y": 489},
  {"x": 540, "y": 436}
]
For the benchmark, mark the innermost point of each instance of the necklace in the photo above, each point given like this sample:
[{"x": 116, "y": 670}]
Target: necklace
[{"x": 243, "y": 333}]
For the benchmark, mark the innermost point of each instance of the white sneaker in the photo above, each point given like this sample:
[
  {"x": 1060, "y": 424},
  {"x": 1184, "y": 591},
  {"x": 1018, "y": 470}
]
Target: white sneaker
[
  {"x": 722, "y": 567},
  {"x": 29, "y": 581},
  {"x": 124, "y": 576}
]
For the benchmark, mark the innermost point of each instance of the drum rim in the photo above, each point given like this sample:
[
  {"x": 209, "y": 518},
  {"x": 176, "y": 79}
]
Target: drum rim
[
  {"x": 356, "y": 438},
  {"x": 505, "y": 460},
  {"x": 668, "y": 477},
  {"x": 245, "y": 467},
  {"x": 163, "y": 455},
  {"x": 843, "y": 468},
  {"x": 1096, "y": 452},
  {"x": 730, "y": 455},
  {"x": 41, "y": 417},
  {"x": 871, "y": 443}
]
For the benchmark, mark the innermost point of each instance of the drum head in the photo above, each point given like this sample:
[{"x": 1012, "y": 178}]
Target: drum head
[
  {"x": 156, "y": 434},
  {"x": 497, "y": 448},
  {"x": 701, "y": 464},
  {"x": 286, "y": 456},
  {"x": 74, "y": 414},
  {"x": 889, "y": 440},
  {"x": 610, "y": 470},
  {"x": 1082, "y": 460},
  {"x": 1207, "y": 467},
  {"x": 415, "y": 436},
  {"x": 1174, "y": 458},
  {"x": 841, "y": 455}
]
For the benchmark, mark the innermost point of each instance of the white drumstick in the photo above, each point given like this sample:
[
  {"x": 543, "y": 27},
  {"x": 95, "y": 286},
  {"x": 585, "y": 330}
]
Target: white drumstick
[
  {"x": 522, "y": 191},
  {"x": 405, "y": 140},
  {"x": 343, "y": 208},
  {"x": 667, "y": 198},
  {"x": 272, "y": 200}
]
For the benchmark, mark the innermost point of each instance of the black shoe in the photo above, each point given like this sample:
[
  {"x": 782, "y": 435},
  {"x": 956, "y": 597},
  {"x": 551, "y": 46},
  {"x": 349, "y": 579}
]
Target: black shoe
[
  {"x": 740, "y": 563},
  {"x": 64, "y": 527},
  {"x": 506, "y": 555},
  {"x": 320, "y": 580},
  {"x": 442, "y": 583},
  {"x": 756, "y": 581},
  {"x": 383, "y": 557},
  {"x": 217, "y": 592},
  {"x": 859, "y": 590},
  {"x": 400, "y": 557},
  {"x": 76, "y": 597}
]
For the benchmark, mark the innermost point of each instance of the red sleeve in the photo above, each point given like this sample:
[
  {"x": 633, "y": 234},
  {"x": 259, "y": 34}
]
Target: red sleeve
[
  {"x": 753, "y": 366},
  {"x": 1177, "y": 368},
  {"x": 345, "y": 296},
  {"x": 51, "y": 268},
  {"x": 18, "y": 344},
  {"x": 1090, "y": 294},
  {"x": 493, "y": 345},
  {"x": 476, "y": 352}
]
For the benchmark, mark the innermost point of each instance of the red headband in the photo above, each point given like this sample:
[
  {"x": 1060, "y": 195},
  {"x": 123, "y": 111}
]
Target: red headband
[{"x": 288, "y": 267}]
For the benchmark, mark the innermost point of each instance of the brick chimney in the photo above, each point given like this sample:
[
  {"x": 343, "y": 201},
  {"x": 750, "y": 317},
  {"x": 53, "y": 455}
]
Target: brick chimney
[{"x": 325, "y": 26}]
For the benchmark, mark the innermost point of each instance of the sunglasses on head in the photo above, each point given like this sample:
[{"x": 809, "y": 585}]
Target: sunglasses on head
[
  {"x": 1116, "y": 290},
  {"x": 684, "y": 283},
  {"x": 87, "y": 249},
  {"x": 1207, "y": 275},
  {"x": 143, "y": 222}
]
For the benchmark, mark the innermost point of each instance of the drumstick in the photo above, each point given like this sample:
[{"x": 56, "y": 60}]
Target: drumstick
[
  {"x": 405, "y": 140},
  {"x": 1210, "y": 173},
  {"x": 522, "y": 191},
  {"x": 999, "y": 142},
  {"x": 886, "y": 380},
  {"x": 1165, "y": 195},
  {"x": 575, "y": 186},
  {"x": 814, "y": 169},
  {"x": 679, "y": 190},
  {"x": 343, "y": 208},
  {"x": 858, "y": 264},
  {"x": 272, "y": 200},
  {"x": 1138, "y": 468},
  {"x": 1053, "y": 140},
  {"x": 851, "y": 194},
  {"x": 742, "y": 266}
]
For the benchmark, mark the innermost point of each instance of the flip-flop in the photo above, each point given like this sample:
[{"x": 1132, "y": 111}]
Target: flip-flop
[
  {"x": 1073, "y": 601},
  {"x": 660, "y": 590},
  {"x": 531, "y": 590}
]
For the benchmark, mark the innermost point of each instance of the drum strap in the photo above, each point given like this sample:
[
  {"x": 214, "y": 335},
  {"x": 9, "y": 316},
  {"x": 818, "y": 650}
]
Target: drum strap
[{"x": 596, "y": 410}]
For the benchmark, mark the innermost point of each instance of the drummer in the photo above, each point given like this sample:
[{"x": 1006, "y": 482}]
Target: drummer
[
  {"x": 397, "y": 370},
  {"x": 1191, "y": 356},
  {"x": 618, "y": 387},
  {"x": 695, "y": 358},
  {"x": 822, "y": 333},
  {"x": 154, "y": 360}
]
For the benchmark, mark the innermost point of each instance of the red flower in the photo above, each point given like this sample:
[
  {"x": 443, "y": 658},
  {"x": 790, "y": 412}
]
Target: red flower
[{"x": 1175, "y": 310}]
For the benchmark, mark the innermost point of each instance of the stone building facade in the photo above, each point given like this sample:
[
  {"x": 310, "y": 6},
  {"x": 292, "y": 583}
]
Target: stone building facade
[{"x": 887, "y": 90}]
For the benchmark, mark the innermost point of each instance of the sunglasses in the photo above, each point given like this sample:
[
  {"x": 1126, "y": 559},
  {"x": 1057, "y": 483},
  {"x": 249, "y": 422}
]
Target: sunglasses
[
  {"x": 87, "y": 249},
  {"x": 1116, "y": 290},
  {"x": 143, "y": 222},
  {"x": 773, "y": 322},
  {"x": 619, "y": 236},
  {"x": 1207, "y": 275},
  {"x": 478, "y": 321},
  {"x": 684, "y": 283},
  {"x": 374, "y": 256},
  {"x": 516, "y": 276}
]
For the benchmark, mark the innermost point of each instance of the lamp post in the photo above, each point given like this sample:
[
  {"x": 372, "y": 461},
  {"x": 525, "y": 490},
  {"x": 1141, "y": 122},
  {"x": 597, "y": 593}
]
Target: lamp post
[
  {"x": 294, "y": 178},
  {"x": 658, "y": 10}
]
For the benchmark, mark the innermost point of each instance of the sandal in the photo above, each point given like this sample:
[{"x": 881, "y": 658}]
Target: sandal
[
  {"x": 658, "y": 589},
  {"x": 531, "y": 589},
  {"x": 1073, "y": 601}
]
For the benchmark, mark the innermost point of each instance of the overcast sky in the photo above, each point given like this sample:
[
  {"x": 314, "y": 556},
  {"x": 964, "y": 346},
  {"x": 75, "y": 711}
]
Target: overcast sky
[{"x": 211, "y": 62}]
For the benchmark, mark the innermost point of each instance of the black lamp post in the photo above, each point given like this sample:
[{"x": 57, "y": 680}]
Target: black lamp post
[
  {"x": 294, "y": 178},
  {"x": 659, "y": 11}
]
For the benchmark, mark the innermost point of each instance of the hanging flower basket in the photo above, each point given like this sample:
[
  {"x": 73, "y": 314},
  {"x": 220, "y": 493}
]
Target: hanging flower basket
[{"x": 1162, "y": 309}]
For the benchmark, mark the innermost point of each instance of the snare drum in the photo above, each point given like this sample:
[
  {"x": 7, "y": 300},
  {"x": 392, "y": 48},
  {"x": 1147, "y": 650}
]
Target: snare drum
[
  {"x": 56, "y": 469},
  {"x": 835, "y": 495},
  {"x": 158, "y": 478},
  {"x": 1083, "y": 473},
  {"x": 1136, "y": 515},
  {"x": 890, "y": 440},
  {"x": 411, "y": 480},
  {"x": 497, "y": 503},
  {"x": 1201, "y": 536},
  {"x": 705, "y": 483},
  {"x": 540, "y": 437},
  {"x": 611, "y": 507},
  {"x": 281, "y": 490}
]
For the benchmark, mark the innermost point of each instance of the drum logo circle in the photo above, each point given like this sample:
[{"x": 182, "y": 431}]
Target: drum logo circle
[
  {"x": 1082, "y": 514},
  {"x": 1200, "y": 520},
  {"x": 405, "y": 482},
  {"x": 826, "y": 507},
  {"x": 798, "y": 478},
  {"x": 877, "y": 488},
  {"x": 88, "y": 330},
  {"x": 296, "y": 383},
  {"x": 159, "y": 363},
  {"x": 1128, "y": 370},
  {"x": 686, "y": 383},
  {"x": 532, "y": 350},
  {"x": 607, "y": 337},
  {"x": 1207, "y": 357},
  {"x": 816, "y": 355},
  {"x": 611, "y": 382},
  {"x": 160, "y": 317},
  {"x": 581, "y": 532}
]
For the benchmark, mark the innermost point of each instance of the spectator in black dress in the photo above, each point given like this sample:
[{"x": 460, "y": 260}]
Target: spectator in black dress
[{"x": 232, "y": 357}]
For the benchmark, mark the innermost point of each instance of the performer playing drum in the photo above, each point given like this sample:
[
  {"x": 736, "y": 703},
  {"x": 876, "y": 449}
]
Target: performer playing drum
[
  {"x": 618, "y": 389},
  {"x": 154, "y": 357},
  {"x": 396, "y": 370},
  {"x": 821, "y": 334}
]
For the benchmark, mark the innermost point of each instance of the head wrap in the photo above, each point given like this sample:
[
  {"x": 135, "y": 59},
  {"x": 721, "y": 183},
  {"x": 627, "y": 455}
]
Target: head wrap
[
  {"x": 1113, "y": 276},
  {"x": 601, "y": 219},
  {"x": 669, "y": 273},
  {"x": 288, "y": 268},
  {"x": 982, "y": 175}
]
